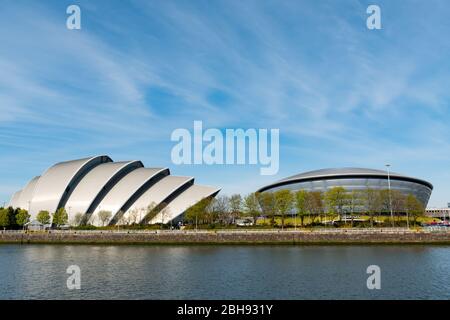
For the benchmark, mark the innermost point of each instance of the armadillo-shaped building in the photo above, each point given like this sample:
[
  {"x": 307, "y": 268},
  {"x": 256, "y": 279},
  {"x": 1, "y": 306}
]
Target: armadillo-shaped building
[{"x": 126, "y": 189}]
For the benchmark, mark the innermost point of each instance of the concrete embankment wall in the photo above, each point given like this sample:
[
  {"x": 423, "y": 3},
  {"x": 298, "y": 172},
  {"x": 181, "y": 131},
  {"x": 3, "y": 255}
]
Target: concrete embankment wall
[{"x": 223, "y": 237}]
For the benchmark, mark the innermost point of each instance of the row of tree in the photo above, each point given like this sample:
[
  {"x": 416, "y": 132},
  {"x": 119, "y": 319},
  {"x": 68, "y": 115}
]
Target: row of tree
[
  {"x": 224, "y": 210},
  {"x": 316, "y": 205},
  {"x": 13, "y": 218},
  {"x": 17, "y": 218}
]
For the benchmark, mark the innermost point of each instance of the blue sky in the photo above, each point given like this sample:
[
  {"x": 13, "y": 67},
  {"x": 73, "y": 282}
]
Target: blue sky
[{"x": 341, "y": 95}]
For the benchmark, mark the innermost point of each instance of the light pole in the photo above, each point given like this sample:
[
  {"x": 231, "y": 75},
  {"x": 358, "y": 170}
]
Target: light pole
[{"x": 390, "y": 198}]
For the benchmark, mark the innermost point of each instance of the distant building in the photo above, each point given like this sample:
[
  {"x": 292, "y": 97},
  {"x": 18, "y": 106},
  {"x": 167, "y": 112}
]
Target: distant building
[
  {"x": 443, "y": 213},
  {"x": 353, "y": 179}
]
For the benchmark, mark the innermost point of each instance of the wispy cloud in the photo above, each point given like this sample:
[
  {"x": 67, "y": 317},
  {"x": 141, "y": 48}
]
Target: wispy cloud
[{"x": 341, "y": 94}]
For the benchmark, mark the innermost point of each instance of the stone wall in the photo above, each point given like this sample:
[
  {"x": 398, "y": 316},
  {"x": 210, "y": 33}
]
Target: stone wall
[{"x": 223, "y": 237}]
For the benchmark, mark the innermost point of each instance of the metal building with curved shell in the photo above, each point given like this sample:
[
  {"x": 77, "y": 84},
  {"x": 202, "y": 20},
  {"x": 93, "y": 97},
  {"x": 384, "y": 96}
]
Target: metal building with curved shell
[
  {"x": 90, "y": 185},
  {"x": 354, "y": 179}
]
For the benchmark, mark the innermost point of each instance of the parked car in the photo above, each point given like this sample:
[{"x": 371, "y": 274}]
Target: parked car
[{"x": 246, "y": 222}]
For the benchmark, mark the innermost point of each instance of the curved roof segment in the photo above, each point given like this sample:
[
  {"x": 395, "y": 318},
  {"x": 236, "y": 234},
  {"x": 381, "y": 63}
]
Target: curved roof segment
[
  {"x": 91, "y": 185},
  {"x": 185, "y": 200},
  {"x": 56, "y": 184},
  {"x": 96, "y": 183},
  {"x": 154, "y": 196},
  {"x": 15, "y": 199},
  {"x": 123, "y": 190},
  {"x": 341, "y": 173},
  {"x": 24, "y": 200}
]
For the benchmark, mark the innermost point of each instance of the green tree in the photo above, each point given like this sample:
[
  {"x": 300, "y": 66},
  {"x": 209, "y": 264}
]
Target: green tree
[
  {"x": 251, "y": 206},
  {"x": 191, "y": 214},
  {"x": 235, "y": 206},
  {"x": 197, "y": 213},
  {"x": 398, "y": 200},
  {"x": 60, "y": 217},
  {"x": 336, "y": 199},
  {"x": 384, "y": 203},
  {"x": 267, "y": 204},
  {"x": 284, "y": 201},
  {"x": 354, "y": 201},
  {"x": 22, "y": 217},
  {"x": 4, "y": 218},
  {"x": 314, "y": 205},
  {"x": 43, "y": 217},
  {"x": 414, "y": 208},
  {"x": 301, "y": 198},
  {"x": 371, "y": 203}
]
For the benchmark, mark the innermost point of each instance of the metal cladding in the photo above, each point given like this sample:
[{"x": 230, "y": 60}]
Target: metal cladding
[
  {"x": 91, "y": 185},
  {"x": 354, "y": 179}
]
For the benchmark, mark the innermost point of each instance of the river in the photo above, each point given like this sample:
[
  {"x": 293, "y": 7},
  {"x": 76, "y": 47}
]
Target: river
[{"x": 224, "y": 272}]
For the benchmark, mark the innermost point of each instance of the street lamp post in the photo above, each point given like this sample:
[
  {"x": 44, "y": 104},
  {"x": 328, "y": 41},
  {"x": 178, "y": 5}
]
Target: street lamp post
[{"x": 390, "y": 198}]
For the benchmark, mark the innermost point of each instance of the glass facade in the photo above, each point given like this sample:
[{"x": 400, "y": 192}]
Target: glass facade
[{"x": 420, "y": 191}]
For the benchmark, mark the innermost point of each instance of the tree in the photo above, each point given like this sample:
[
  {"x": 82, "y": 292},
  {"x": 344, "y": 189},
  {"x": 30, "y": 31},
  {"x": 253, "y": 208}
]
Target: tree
[
  {"x": 336, "y": 198},
  {"x": 267, "y": 203},
  {"x": 371, "y": 200},
  {"x": 384, "y": 202},
  {"x": 314, "y": 204},
  {"x": 354, "y": 201},
  {"x": 151, "y": 212},
  {"x": 43, "y": 217},
  {"x": 398, "y": 203},
  {"x": 301, "y": 197},
  {"x": 60, "y": 217},
  {"x": 220, "y": 207},
  {"x": 197, "y": 212},
  {"x": 164, "y": 213},
  {"x": 22, "y": 217},
  {"x": 104, "y": 216},
  {"x": 251, "y": 206},
  {"x": 4, "y": 218},
  {"x": 413, "y": 208},
  {"x": 78, "y": 218},
  {"x": 211, "y": 214},
  {"x": 284, "y": 201},
  {"x": 132, "y": 217},
  {"x": 191, "y": 214},
  {"x": 122, "y": 221},
  {"x": 235, "y": 206}
]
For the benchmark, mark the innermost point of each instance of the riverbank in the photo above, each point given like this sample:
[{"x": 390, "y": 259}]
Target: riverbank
[{"x": 300, "y": 237}]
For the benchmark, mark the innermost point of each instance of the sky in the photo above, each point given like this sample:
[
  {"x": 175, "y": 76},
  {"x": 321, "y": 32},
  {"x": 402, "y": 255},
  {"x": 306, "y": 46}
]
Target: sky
[{"x": 340, "y": 94}]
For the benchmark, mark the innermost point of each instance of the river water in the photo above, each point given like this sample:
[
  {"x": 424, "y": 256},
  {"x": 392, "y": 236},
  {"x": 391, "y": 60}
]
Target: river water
[{"x": 224, "y": 272}]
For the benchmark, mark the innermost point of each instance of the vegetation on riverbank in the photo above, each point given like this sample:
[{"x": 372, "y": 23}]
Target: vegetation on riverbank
[{"x": 281, "y": 209}]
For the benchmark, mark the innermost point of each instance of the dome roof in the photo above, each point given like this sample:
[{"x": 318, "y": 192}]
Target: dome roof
[{"x": 343, "y": 173}]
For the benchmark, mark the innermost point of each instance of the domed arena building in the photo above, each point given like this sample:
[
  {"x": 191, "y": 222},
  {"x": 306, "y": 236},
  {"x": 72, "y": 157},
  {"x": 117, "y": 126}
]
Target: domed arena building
[
  {"x": 354, "y": 179},
  {"x": 125, "y": 188}
]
